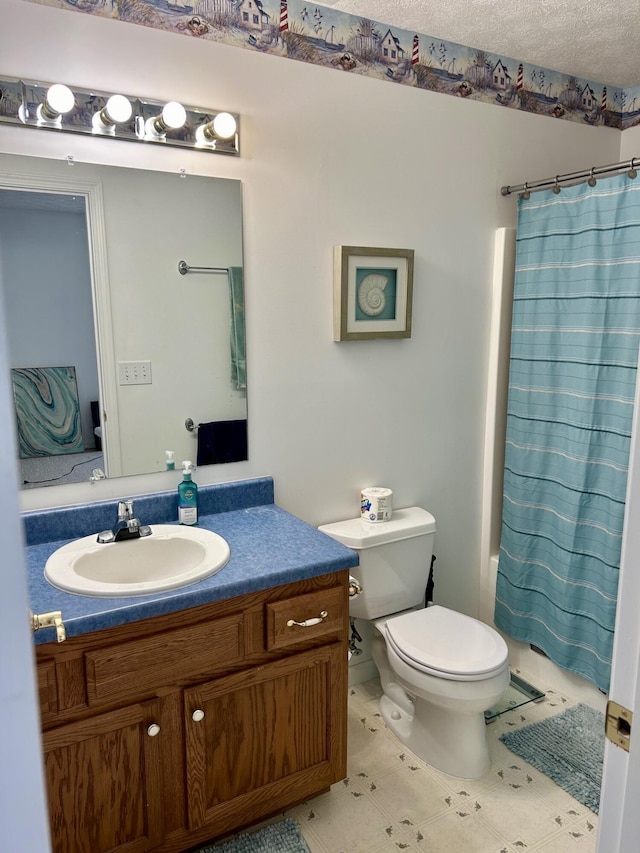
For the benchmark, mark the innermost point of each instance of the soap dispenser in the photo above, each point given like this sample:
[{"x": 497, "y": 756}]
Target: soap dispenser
[{"x": 187, "y": 497}]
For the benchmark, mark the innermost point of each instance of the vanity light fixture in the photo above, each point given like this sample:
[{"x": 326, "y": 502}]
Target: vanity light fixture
[
  {"x": 117, "y": 110},
  {"x": 58, "y": 101},
  {"x": 36, "y": 104}
]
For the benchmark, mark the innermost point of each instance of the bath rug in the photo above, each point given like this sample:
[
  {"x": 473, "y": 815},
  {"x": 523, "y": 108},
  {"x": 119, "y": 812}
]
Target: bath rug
[
  {"x": 281, "y": 837},
  {"x": 568, "y": 748}
]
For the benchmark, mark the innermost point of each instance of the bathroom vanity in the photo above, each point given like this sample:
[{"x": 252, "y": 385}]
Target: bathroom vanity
[{"x": 193, "y": 713}]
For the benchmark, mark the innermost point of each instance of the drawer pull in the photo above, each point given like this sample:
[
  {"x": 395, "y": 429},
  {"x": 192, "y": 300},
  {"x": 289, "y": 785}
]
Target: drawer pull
[
  {"x": 153, "y": 730},
  {"x": 197, "y": 716},
  {"x": 316, "y": 620}
]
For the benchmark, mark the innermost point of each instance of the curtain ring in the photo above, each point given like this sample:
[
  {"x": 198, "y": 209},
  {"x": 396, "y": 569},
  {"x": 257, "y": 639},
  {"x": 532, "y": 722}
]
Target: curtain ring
[
  {"x": 592, "y": 181},
  {"x": 632, "y": 173},
  {"x": 556, "y": 187},
  {"x": 525, "y": 194}
]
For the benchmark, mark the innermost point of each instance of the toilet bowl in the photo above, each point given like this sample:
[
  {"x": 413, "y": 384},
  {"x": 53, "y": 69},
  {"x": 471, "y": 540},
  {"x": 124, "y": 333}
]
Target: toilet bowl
[{"x": 439, "y": 669}]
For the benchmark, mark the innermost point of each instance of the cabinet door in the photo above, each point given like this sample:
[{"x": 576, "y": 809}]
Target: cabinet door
[
  {"x": 103, "y": 780},
  {"x": 263, "y": 739}
]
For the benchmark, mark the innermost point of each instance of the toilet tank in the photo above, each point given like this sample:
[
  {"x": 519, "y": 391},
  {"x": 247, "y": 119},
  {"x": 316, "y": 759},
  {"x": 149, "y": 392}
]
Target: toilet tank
[{"x": 395, "y": 558}]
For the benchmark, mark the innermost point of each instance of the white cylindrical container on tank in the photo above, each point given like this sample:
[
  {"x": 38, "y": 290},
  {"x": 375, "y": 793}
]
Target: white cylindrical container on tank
[{"x": 376, "y": 504}]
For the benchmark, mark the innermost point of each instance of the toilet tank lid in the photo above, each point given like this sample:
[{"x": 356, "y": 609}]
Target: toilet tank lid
[{"x": 403, "y": 524}]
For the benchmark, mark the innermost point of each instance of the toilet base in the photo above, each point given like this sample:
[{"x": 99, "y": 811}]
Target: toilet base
[{"x": 454, "y": 744}]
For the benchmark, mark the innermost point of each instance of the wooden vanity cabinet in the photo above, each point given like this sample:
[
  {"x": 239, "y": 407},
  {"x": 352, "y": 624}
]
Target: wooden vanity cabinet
[{"x": 166, "y": 733}]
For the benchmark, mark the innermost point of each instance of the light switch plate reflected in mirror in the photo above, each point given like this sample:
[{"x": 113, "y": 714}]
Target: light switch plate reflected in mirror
[{"x": 134, "y": 372}]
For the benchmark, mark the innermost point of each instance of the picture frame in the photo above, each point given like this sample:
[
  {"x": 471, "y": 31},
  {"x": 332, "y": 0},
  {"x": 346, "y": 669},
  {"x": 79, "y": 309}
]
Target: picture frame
[{"x": 372, "y": 293}]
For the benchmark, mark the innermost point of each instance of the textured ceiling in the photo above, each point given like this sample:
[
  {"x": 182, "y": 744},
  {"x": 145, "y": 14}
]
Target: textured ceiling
[{"x": 596, "y": 40}]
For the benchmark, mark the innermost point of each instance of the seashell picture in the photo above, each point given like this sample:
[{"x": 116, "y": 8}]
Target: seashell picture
[
  {"x": 373, "y": 290},
  {"x": 376, "y": 290}
]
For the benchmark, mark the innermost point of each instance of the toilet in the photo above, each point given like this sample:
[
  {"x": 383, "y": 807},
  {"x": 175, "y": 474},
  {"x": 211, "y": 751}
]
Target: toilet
[{"x": 440, "y": 670}]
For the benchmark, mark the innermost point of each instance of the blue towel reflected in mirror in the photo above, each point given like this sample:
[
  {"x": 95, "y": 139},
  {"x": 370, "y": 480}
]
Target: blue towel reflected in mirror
[{"x": 222, "y": 441}]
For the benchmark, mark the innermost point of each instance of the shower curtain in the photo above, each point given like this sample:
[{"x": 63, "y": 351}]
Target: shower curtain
[{"x": 574, "y": 351}]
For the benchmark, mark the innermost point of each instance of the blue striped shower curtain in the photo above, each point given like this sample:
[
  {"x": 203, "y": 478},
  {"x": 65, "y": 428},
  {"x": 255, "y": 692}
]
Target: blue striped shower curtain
[{"x": 574, "y": 351}]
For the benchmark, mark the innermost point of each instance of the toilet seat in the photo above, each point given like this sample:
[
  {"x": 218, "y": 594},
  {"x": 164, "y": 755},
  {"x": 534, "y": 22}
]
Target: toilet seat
[{"x": 446, "y": 644}]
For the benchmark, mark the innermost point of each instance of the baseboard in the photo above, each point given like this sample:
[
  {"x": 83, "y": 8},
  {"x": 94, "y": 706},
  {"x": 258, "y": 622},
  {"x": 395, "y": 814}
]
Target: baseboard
[{"x": 362, "y": 671}]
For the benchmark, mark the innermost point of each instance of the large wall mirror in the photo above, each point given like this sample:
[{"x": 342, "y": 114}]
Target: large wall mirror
[{"x": 114, "y": 353}]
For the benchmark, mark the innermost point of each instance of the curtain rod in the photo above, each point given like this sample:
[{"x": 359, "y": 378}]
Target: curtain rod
[{"x": 573, "y": 177}]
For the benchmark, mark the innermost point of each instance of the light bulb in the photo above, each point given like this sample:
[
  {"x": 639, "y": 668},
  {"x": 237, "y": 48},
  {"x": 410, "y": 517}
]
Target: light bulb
[
  {"x": 172, "y": 117},
  {"x": 58, "y": 100},
  {"x": 117, "y": 110},
  {"x": 224, "y": 125}
]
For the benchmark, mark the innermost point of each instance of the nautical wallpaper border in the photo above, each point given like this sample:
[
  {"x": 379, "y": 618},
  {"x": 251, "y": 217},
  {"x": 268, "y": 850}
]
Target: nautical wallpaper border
[{"x": 295, "y": 29}]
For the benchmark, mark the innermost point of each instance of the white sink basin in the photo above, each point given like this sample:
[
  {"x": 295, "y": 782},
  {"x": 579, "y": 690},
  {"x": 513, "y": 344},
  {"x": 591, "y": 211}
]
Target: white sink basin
[{"x": 171, "y": 557}]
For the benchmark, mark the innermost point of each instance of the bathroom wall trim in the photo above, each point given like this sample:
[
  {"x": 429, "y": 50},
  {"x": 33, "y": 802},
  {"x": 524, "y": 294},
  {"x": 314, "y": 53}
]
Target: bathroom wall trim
[{"x": 355, "y": 45}]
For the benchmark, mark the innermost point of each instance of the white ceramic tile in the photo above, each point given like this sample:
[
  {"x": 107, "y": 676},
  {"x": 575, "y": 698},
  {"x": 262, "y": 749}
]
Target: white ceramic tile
[
  {"x": 512, "y": 814},
  {"x": 573, "y": 840},
  {"x": 459, "y": 830},
  {"x": 349, "y": 822},
  {"x": 409, "y": 795}
]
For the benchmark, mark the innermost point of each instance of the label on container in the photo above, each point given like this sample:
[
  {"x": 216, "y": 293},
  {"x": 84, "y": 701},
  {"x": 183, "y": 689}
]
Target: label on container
[
  {"x": 187, "y": 514},
  {"x": 376, "y": 504}
]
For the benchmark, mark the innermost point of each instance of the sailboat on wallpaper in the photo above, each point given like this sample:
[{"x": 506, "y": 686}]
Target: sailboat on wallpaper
[{"x": 47, "y": 411}]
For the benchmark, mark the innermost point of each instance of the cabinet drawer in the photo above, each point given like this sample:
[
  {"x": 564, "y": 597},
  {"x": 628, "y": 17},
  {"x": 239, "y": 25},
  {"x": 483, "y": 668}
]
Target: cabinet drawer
[
  {"x": 165, "y": 658},
  {"x": 305, "y": 608}
]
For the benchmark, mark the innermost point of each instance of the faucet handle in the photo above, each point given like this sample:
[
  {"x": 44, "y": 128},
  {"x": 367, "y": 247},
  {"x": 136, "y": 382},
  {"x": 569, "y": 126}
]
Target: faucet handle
[{"x": 125, "y": 510}]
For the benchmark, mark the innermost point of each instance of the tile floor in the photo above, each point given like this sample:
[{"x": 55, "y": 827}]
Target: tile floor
[{"x": 393, "y": 801}]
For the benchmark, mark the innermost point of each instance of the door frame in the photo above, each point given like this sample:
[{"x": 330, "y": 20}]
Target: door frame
[{"x": 619, "y": 823}]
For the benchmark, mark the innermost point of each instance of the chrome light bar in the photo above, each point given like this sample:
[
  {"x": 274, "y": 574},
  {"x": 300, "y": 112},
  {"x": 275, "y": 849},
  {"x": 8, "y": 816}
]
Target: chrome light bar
[{"x": 46, "y": 106}]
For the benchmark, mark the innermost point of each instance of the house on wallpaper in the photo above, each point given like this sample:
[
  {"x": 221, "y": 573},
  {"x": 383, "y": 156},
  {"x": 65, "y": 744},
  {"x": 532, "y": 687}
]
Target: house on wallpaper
[
  {"x": 587, "y": 98},
  {"x": 251, "y": 15},
  {"x": 390, "y": 49},
  {"x": 500, "y": 75}
]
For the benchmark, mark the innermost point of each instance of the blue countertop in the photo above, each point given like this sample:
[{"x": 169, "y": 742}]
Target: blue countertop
[{"x": 269, "y": 547}]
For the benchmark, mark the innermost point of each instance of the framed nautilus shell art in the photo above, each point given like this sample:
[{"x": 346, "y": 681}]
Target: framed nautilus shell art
[{"x": 372, "y": 293}]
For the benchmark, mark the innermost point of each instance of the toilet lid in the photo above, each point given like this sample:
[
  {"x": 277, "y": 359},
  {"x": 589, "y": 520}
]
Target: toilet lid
[{"x": 453, "y": 645}]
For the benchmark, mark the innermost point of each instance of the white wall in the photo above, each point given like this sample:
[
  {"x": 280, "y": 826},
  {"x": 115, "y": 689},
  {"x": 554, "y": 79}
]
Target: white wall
[
  {"x": 630, "y": 145},
  {"x": 330, "y": 158}
]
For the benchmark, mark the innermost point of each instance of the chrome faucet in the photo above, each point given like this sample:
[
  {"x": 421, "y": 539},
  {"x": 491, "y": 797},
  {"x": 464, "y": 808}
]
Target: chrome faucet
[{"x": 127, "y": 525}]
